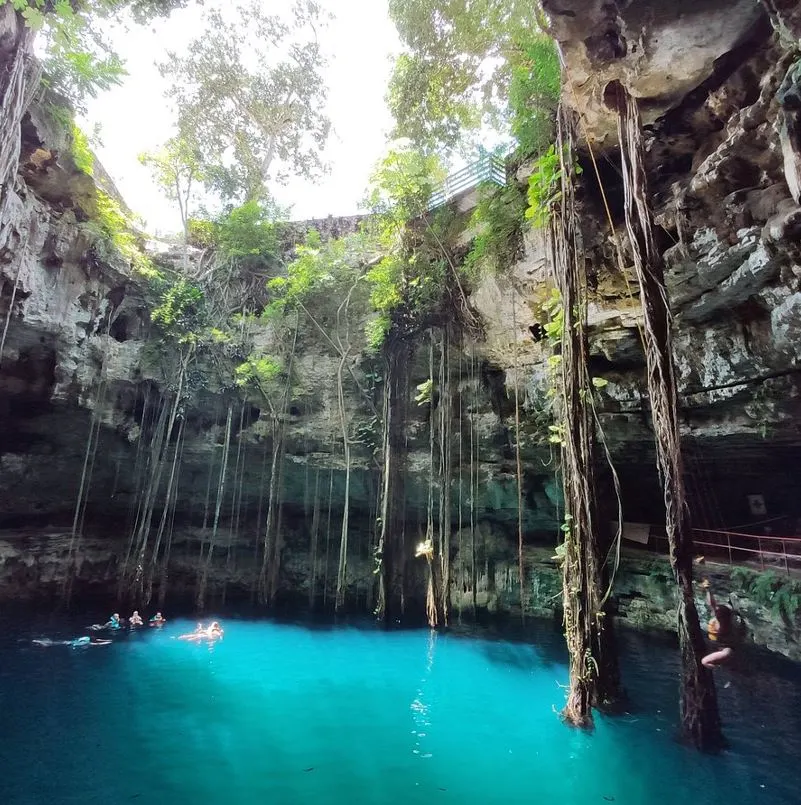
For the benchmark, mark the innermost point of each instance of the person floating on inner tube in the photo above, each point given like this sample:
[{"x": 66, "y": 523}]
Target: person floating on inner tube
[
  {"x": 723, "y": 628},
  {"x": 157, "y": 620},
  {"x": 135, "y": 619}
]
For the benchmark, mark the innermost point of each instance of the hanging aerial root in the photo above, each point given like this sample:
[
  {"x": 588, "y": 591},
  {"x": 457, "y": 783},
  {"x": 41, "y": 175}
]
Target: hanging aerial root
[
  {"x": 594, "y": 676},
  {"x": 699, "y": 711}
]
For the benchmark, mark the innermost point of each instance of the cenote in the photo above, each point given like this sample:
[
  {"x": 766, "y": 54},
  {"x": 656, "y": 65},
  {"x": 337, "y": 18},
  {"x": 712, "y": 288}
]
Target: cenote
[
  {"x": 504, "y": 390},
  {"x": 317, "y": 712}
]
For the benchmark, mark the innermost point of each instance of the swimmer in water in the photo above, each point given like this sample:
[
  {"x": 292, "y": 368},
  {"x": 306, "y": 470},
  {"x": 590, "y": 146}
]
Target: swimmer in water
[
  {"x": 135, "y": 619},
  {"x": 214, "y": 632},
  {"x": 112, "y": 623},
  {"x": 157, "y": 620},
  {"x": 78, "y": 642},
  {"x": 720, "y": 629}
]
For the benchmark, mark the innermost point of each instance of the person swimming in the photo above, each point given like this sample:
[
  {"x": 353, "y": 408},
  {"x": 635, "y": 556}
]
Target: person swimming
[
  {"x": 213, "y": 632},
  {"x": 112, "y": 623},
  {"x": 721, "y": 629},
  {"x": 157, "y": 620},
  {"x": 77, "y": 642},
  {"x": 135, "y": 619}
]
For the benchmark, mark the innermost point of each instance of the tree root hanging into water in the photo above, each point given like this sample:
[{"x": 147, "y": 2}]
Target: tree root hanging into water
[
  {"x": 594, "y": 676},
  {"x": 390, "y": 551},
  {"x": 699, "y": 709}
]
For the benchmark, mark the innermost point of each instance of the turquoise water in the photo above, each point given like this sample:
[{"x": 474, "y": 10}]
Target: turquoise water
[{"x": 291, "y": 713}]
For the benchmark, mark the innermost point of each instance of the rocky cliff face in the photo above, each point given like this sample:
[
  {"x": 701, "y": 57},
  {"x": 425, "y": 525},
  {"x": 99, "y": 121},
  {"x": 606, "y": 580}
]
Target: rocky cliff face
[
  {"x": 716, "y": 86},
  {"x": 719, "y": 93}
]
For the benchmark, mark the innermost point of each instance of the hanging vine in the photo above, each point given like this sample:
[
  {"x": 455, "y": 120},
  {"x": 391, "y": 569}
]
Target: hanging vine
[
  {"x": 699, "y": 709},
  {"x": 594, "y": 676}
]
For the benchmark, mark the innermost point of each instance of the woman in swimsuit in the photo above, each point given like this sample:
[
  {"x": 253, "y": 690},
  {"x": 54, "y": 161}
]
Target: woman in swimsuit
[{"x": 720, "y": 630}]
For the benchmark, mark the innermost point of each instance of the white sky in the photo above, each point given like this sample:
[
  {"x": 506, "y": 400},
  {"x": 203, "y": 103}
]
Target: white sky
[{"x": 135, "y": 117}]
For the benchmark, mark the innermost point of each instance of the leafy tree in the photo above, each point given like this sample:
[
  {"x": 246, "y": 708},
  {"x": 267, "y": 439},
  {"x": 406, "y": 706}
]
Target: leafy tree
[
  {"x": 463, "y": 59},
  {"x": 401, "y": 188},
  {"x": 79, "y": 62},
  {"x": 250, "y": 91},
  {"x": 250, "y": 232},
  {"x": 419, "y": 277},
  {"x": 534, "y": 88},
  {"x": 176, "y": 169}
]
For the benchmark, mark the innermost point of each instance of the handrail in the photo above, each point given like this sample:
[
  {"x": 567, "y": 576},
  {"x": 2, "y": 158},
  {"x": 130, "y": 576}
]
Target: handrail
[
  {"x": 742, "y": 534},
  {"x": 489, "y": 168},
  {"x": 758, "y": 546}
]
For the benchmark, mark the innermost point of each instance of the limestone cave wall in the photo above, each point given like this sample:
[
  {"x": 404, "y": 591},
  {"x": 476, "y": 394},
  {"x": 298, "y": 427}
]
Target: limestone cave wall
[{"x": 718, "y": 84}]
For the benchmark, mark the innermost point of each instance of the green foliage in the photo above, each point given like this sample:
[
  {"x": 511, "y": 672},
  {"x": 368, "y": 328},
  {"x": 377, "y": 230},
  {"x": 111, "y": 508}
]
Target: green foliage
[
  {"x": 544, "y": 187},
  {"x": 176, "y": 169},
  {"x": 80, "y": 74},
  {"x": 376, "y": 331},
  {"x": 201, "y": 233},
  {"x": 259, "y": 370},
  {"x": 179, "y": 311},
  {"x": 498, "y": 221},
  {"x": 780, "y": 594},
  {"x": 425, "y": 392},
  {"x": 322, "y": 274},
  {"x": 386, "y": 280},
  {"x": 454, "y": 77},
  {"x": 249, "y": 231},
  {"x": 82, "y": 154},
  {"x": 117, "y": 230},
  {"x": 534, "y": 93},
  {"x": 400, "y": 188},
  {"x": 250, "y": 92},
  {"x": 78, "y": 62},
  {"x": 442, "y": 89},
  {"x": 555, "y": 313},
  {"x": 412, "y": 274}
]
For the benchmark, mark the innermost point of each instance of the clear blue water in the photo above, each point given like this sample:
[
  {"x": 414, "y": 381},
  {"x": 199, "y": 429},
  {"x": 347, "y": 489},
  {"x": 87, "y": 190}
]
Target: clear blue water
[{"x": 287, "y": 713}]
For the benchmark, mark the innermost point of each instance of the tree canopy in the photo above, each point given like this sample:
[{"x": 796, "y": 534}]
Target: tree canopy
[
  {"x": 250, "y": 93},
  {"x": 79, "y": 62},
  {"x": 469, "y": 64}
]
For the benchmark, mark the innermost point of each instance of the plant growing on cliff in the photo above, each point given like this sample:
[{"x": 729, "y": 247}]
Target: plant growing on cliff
[
  {"x": 250, "y": 93},
  {"x": 80, "y": 151},
  {"x": 180, "y": 308},
  {"x": 419, "y": 277},
  {"x": 498, "y": 221},
  {"x": 779, "y": 594},
  {"x": 534, "y": 90},
  {"x": 544, "y": 187}
]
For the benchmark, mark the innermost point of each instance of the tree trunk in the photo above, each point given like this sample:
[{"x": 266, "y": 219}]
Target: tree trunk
[
  {"x": 699, "y": 709},
  {"x": 594, "y": 676}
]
